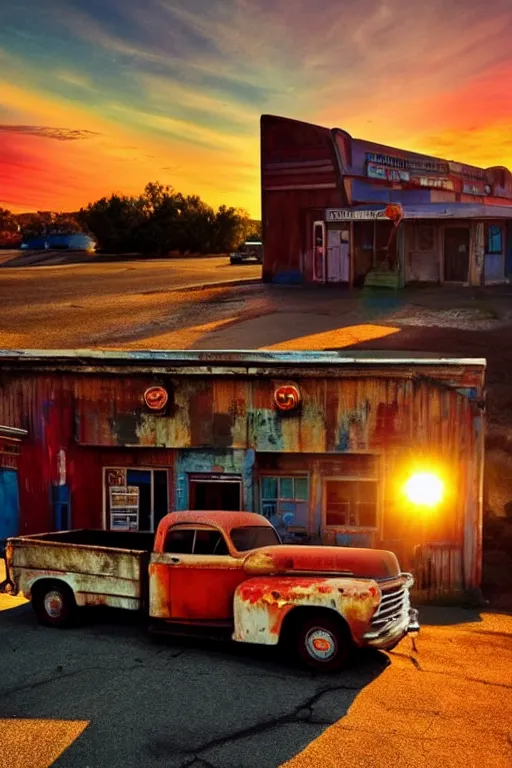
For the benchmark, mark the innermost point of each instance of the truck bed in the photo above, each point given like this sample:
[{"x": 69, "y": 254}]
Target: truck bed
[{"x": 101, "y": 567}]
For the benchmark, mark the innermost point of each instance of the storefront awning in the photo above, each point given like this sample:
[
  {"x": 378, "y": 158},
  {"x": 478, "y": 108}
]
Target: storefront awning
[{"x": 439, "y": 211}]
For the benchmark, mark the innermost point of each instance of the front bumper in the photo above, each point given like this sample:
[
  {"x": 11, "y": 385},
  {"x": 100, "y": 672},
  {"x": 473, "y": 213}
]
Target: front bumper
[
  {"x": 389, "y": 637},
  {"x": 394, "y": 618}
]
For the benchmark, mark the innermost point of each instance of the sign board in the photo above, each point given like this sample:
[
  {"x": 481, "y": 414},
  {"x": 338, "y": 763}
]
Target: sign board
[
  {"x": 425, "y": 165},
  {"x": 116, "y": 477},
  {"x": 476, "y": 189},
  {"x": 382, "y": 173},
  {"x": 124, "y": 507},
  {"x": 468, "y": 171},
  {"x": 352, "y": 214},
  {"x": 435, "y": 182}
]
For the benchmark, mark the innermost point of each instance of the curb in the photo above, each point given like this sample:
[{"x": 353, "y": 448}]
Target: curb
[{"x": 221, "y": 284}]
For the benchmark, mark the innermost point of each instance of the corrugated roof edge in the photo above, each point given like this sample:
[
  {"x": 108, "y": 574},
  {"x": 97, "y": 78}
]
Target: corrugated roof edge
[{"x": 289, "y": 357}]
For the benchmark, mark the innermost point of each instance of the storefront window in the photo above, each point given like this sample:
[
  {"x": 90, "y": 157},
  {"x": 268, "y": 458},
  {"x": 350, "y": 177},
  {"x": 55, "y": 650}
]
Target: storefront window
[
  {"x": 350, "y": 503},
  {"x": 494, "y": 239},
  {"x": 285, "y": 498},
  {"x": 136, "y": 499}
]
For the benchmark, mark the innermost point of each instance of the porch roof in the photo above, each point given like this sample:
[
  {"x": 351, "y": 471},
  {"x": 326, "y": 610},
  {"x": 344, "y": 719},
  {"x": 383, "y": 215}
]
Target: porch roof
[{"x": 439, "y": 211}]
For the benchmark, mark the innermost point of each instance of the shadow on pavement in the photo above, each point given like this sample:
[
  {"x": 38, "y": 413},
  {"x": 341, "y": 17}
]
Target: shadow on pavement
[
  {"x": 436, "y": 616},
  {"x": 181, "y": 703}
]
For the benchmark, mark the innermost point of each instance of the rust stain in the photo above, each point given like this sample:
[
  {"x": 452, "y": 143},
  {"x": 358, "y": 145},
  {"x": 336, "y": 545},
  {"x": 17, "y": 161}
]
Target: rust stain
[{"x": 261, "y": 604}]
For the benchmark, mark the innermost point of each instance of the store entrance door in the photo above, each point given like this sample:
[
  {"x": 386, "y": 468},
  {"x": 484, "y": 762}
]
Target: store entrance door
[
  {"x": 338, "y": 255},
  {"x": 456, "y": 255},
  {"x": 215, "y": 492}
]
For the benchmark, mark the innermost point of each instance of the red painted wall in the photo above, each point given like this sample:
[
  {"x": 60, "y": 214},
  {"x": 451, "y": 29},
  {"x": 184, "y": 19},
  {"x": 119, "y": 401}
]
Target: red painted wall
[
  {"x": 45, "y": 405},
  {"x": 299, "y": 172}
]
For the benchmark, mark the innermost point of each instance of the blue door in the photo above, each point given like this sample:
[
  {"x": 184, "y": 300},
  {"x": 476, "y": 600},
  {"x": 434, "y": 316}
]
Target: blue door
[{"x": 9, "y": 505}]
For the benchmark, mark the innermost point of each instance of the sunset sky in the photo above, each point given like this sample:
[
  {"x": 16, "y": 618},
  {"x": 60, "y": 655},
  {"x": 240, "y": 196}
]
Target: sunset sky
[{"x": 104, "y": 95}]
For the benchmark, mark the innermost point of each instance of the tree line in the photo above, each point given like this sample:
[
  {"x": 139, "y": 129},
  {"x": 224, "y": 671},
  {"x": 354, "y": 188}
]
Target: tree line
[{"x": 157, "y": 222}]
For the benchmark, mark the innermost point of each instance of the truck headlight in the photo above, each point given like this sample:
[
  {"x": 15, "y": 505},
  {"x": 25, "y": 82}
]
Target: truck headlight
[{"x": 424, "y": 489}]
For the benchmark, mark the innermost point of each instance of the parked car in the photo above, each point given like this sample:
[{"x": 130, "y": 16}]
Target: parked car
[
  {"x": 251, "y": 250},
  {"x": 222, "y": 572}
]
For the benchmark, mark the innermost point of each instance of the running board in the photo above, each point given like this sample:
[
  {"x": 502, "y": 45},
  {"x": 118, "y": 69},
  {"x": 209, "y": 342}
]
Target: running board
[{"x": 210, "y": 632}]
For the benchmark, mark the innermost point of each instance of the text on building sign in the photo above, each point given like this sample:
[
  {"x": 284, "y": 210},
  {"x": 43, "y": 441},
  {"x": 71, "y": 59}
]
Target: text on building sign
[
  {"x": 349, "y": 215},
  {"x": 411, "y": 164},
  {"x": 375, "y": 171},
  {"x": 435, "y": 183}
]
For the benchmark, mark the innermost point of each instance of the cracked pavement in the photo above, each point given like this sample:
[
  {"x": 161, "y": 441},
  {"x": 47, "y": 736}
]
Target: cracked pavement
[{"x": 103, "y": 695}]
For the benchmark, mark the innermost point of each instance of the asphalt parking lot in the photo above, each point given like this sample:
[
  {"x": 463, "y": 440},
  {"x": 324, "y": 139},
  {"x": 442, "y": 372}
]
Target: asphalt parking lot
[{"x": 104, "y": 696}]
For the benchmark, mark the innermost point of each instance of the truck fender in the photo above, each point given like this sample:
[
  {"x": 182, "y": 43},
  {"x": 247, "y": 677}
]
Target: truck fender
[
  {"x": 28, "y": 580},
  {"x": 262, "y": 603}
]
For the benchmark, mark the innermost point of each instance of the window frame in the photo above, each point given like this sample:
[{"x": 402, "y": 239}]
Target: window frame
[
  {"x": 116, "y": 468},
  {"x": 488, "y": 251},
  {"x": 349, "y": 527},
  {"x": 195, "y": 527},
  {"x": 294, "y": 475}
]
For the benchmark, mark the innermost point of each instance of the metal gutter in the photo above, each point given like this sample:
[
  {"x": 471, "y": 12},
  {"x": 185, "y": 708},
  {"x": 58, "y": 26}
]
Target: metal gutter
[{"x": 83, "y": 357}]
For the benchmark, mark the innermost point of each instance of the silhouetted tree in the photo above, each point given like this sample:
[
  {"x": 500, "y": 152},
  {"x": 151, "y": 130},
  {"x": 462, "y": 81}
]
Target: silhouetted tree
[
  {"x": 10, "y": 232},
  {"x": 161, "y": 220}
]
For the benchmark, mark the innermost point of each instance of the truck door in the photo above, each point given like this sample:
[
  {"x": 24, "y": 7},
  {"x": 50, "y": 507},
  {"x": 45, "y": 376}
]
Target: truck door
[{"x": 195, "y": 578}]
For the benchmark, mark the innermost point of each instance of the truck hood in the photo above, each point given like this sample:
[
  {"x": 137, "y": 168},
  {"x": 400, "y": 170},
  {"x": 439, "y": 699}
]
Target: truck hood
[{"x": 350, "y": 561}]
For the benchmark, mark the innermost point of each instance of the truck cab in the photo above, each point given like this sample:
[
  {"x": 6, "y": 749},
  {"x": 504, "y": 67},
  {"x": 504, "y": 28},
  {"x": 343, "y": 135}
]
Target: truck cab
[{"x": 231, "y": 568}]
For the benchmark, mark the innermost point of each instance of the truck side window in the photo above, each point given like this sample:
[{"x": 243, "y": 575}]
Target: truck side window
[
  {"x": 179, "y": 541},
  {"x": 210, "y": 543}
]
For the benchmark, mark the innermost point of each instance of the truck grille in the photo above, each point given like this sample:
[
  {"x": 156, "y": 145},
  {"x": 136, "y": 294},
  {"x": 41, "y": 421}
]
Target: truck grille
[{"x": 393, "y": 607}]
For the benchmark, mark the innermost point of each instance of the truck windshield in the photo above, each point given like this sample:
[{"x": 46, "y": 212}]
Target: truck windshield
[{"x": 253, "y": 537}]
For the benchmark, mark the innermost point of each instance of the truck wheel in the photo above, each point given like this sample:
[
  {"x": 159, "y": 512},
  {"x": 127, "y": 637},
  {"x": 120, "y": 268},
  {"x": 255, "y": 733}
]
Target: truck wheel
[
  {"x": 323, "y": 643},
  {"x": 54, "y": 605}
]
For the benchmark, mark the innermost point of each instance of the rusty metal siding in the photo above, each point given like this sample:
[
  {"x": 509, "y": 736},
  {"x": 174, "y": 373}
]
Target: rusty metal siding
[{"x": 350, "y": 414}]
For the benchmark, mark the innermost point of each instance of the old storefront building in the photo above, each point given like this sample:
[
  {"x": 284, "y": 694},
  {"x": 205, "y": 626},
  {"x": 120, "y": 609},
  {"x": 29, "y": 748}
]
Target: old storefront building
[
  {"x": 341, "y": 210},
  {"x": 331, "y": 449}
]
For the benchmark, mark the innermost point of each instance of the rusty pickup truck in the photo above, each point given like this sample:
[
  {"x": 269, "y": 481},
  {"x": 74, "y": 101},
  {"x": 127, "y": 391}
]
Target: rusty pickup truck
[{"x": 221, "y": 572}]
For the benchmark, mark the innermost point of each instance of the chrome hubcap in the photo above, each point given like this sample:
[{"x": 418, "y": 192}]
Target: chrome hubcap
[
  {"x": 320, "y": 644},
  {"x": 53, "y": 604}
]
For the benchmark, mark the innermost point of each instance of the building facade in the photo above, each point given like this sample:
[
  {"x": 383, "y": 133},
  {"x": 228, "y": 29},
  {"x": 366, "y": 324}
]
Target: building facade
[
  {"x": 341, "y": 210},
  {"x": 320, "y": 444}
]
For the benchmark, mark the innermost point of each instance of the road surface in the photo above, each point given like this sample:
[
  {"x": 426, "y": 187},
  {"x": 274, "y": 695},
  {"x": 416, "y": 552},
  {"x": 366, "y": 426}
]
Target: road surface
[
  {"x": 92, "y": 304},
  {"x": 103, "y": 696}
]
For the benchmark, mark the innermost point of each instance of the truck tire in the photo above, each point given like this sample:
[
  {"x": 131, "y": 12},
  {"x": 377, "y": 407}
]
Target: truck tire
[
  {"x": 54, "y": 604},
  {"x": 323, "y": 643}
]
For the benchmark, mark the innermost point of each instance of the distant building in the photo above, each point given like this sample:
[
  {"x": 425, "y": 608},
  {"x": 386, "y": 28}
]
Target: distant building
[
  {"x": 329, "y": 200},
  {"x": 73, "y": 242}
]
